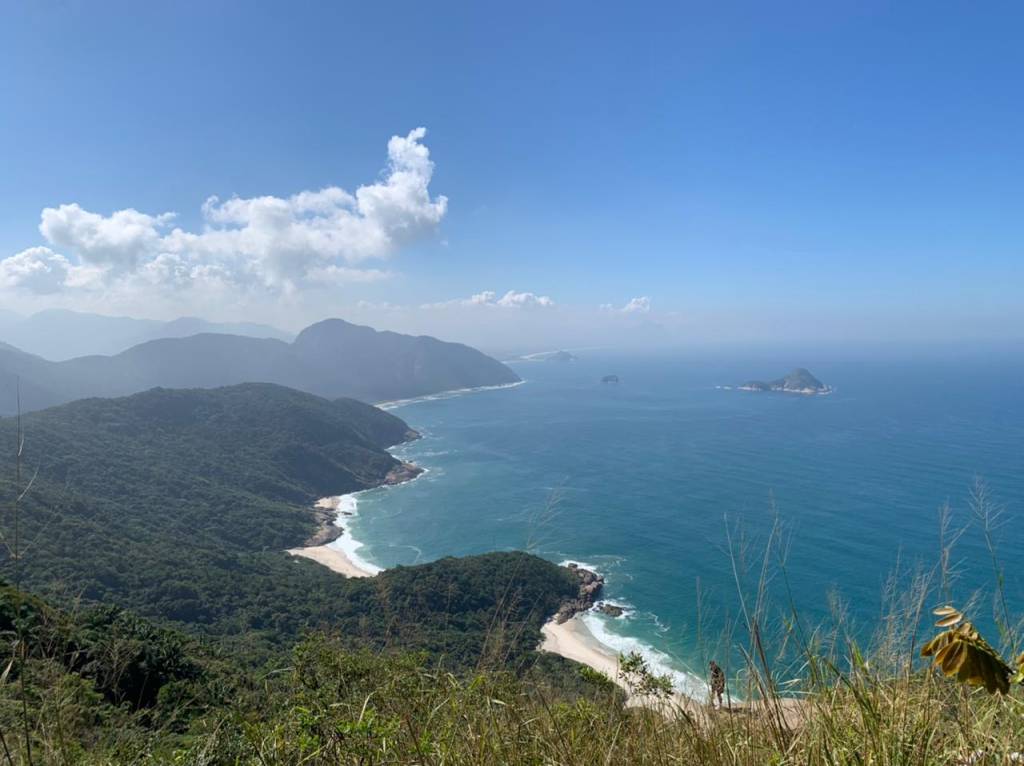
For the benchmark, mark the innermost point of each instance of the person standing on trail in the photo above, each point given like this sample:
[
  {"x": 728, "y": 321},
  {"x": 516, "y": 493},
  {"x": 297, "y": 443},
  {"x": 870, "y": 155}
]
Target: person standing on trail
[{"x": 717, "y": 684}]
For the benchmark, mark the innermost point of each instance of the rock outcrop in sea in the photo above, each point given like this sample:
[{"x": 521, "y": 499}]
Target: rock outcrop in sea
[{"x": 799, "y": 381}]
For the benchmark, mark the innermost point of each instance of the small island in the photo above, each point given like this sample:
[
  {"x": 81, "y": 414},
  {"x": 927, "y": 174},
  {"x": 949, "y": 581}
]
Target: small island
[
  {"x": 799, "y": 381},
  {"x": 561, "y": 356},
  {"x": 610, "y": 379}
]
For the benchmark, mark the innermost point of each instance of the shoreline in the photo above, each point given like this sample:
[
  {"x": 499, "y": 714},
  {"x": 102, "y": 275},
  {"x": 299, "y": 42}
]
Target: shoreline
[
  {"x": 394, "y": 404},
  {"x": 339, "y": 553},
  {"x": 574, "y": 641},
  {"x": 328, "y": 554}
]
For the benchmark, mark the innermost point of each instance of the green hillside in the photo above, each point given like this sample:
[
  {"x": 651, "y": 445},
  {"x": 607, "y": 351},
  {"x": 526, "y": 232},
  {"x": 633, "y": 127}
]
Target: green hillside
[{"x": 179, "y": 505}]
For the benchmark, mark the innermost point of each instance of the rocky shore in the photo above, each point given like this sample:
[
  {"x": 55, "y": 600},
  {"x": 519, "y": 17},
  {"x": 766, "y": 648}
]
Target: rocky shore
[
  {"x": 326, "y": 509},
  {"x": 591, "y": 585},
  {"x": 402, "y": 473},
  {"x": 327, "y": 531}
]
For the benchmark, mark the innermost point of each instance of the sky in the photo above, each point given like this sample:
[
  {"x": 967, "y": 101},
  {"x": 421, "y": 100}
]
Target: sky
[{"x": 521, "y": 173}]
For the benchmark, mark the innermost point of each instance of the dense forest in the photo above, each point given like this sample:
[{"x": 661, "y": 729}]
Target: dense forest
[
  {"x": 179, "y": 505},
  {"x": 151, "y": 597}
]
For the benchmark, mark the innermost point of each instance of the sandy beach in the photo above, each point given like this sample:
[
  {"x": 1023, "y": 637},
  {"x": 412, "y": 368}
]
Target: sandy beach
[
  {"x": 329, "y": 555},
  {"x": 573, "y": 640},
  {"x": 333, "y": 559}
]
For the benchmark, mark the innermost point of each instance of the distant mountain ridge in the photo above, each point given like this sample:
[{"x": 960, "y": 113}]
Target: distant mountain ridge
[
  {"x": 332, "y": 358},
  {"x": 59, "y": 334}
]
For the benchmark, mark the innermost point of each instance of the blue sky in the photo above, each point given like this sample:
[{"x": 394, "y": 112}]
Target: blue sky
[{"x": 754, "y": 170}]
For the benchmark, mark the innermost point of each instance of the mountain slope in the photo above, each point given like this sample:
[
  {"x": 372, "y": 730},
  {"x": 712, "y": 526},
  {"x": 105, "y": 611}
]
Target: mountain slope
[
  {"x": 180, "y": 504},
  {"x": 159, "y": 500},
  {"x": 331, "y": 358},
  {"x": 400, "y": 366}
]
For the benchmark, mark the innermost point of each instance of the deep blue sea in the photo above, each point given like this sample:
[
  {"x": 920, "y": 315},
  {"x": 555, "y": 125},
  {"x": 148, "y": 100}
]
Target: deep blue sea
[{"x": 647, "y": 479}]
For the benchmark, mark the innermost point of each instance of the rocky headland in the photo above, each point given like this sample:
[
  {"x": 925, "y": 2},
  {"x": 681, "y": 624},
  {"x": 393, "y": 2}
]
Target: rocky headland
[{"x": 591, "y": 584}]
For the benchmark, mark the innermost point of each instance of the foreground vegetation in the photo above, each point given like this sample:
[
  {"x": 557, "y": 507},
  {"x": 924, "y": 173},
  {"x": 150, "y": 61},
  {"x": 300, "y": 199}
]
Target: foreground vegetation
[
  {"x": 104, "y": 687},
  {"x": 149, "y": 616}
]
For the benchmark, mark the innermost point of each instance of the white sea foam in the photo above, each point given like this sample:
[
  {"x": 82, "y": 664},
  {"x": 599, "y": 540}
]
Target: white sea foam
[
  {"x": 580, "y": 564},
  {"x": 392, "y": 405},
  {"x": 347, "y": 511},
  {"x": 659, "y": 663},
  {"x": 628, "y": 610}
]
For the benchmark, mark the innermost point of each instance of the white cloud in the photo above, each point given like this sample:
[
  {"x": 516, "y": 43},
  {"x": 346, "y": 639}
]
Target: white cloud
[
  {"x": 278, "y": 244},
  {"x": 641, "y": 305},
  {"x": 119, "y": 241},
  {"x": 37, "y": 270},
  {"x": 510, "y": 300}
]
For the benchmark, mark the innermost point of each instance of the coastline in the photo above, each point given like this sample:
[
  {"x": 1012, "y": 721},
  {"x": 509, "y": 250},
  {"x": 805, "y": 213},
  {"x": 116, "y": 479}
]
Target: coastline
[
  {"x": 573, "y": 640},
  {"x": 339, "y": 552},
  {"x": 450, "y": 394},
  {"x": 333, "y": 545},
  {"x": 331, "y": 554}
]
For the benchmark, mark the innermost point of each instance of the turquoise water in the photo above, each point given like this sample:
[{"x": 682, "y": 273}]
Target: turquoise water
[{"x": 644, "y": 479}]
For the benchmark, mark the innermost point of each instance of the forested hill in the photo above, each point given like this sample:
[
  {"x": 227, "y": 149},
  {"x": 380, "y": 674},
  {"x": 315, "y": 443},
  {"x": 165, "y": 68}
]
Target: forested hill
[
  {"x": 332, "y": 358},
  {"x": 179, "y": 505}
]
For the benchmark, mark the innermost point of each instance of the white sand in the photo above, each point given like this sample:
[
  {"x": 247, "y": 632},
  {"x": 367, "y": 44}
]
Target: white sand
[
  {"x": 329, "y": 555},
  {"x": 573, "y": 640},
  {"x": 333, "y": 559}
]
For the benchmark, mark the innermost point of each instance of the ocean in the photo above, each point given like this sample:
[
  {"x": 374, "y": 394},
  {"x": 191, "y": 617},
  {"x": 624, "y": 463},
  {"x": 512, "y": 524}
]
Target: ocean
[{"x": 654, "y": 480}]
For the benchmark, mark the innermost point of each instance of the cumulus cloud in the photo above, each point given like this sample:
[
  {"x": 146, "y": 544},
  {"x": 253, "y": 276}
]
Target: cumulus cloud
[
  {"x": 120, "y": 241},
  {"x": 38, "y": 270},
  {"x": 641, "y": 305},
  {"x": 510, "y": 300},
  {"x": 311, "y": 238}
]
